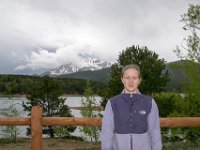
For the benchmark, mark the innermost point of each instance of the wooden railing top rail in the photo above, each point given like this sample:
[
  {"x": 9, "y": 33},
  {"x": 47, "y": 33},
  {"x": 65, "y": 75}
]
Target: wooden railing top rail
[{"x": 86, "y": 121}]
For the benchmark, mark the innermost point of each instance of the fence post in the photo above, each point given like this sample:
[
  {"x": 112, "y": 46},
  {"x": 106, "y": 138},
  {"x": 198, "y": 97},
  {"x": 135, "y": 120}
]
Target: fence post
[{"x": 36, "y": 128}]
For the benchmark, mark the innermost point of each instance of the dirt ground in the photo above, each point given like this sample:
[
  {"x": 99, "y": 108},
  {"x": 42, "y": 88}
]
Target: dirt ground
[
  {"x": 52, "y": 144},
  {"x": 67, "y": 144}
]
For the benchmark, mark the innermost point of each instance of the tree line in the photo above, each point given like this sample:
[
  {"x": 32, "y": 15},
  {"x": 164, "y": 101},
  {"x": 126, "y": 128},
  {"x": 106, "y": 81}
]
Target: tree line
[{"x": 22, "y": 84}]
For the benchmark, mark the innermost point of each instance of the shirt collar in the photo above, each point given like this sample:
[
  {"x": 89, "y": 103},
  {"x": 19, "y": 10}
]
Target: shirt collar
[{"x": 137, "y": 92}]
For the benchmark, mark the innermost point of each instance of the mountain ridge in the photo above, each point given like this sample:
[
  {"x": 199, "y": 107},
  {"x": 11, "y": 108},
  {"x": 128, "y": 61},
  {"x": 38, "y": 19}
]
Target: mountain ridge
[{"x": 87, "y": 63}]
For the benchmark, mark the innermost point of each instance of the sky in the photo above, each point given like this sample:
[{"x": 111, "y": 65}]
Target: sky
[{"x": 39, "y": 35}]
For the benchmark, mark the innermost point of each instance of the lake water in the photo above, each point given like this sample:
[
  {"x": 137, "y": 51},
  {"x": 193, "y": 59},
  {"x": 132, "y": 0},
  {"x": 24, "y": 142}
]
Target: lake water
[{"x": 71, "y": 101}]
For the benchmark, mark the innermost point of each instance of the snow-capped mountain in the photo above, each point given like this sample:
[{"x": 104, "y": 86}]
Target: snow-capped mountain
[
  {"x": 64, "y": 69},
  {"x": 86, "y": 63},
  {"x": 91, "y": 63}
]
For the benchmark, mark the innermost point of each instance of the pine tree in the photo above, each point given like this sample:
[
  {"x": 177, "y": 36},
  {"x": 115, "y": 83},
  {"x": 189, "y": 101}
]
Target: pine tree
[
  {"x": 48, "y": 94},
  {"x": 88, "y": 103}
]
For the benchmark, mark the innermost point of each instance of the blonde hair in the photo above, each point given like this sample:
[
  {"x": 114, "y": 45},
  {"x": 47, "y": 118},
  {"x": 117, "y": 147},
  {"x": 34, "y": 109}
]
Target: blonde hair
[{"x": 131, "y": 66}]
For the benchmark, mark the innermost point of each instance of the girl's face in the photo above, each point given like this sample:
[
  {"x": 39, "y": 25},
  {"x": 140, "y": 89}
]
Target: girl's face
[{"x": 131, "y": 80}]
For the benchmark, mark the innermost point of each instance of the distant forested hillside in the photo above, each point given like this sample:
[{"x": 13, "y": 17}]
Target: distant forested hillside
[
  {"x": 102, "y": 75},
  {"x": 177, "y": 77}
]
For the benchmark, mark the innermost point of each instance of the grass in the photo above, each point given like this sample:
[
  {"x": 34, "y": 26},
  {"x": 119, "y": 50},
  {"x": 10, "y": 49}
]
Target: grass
[
  {"x": 181, "y": 146},
  {"x": 7, "y": 140}
]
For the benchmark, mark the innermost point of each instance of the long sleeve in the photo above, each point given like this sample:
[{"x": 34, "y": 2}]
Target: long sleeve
[
  {"x": 107, "y": 133},
  {"x": 154, "y": 128}
]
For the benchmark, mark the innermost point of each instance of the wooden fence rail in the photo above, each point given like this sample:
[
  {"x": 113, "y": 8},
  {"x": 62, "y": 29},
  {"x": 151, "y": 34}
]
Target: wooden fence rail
[{"x": 36, "y": 121}]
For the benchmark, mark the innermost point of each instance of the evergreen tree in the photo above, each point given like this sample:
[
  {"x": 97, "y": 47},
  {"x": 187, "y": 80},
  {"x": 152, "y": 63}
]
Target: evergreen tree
[
  {"x": 88, "y": 103},
  {"x": 153, "y": 77},
  {"x": 47, "y": 93}
]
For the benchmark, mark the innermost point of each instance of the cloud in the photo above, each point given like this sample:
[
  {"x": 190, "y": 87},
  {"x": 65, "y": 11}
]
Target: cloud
[
  {"x": 48, "y": 60},
  {"x": 45, "y": 34}
]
